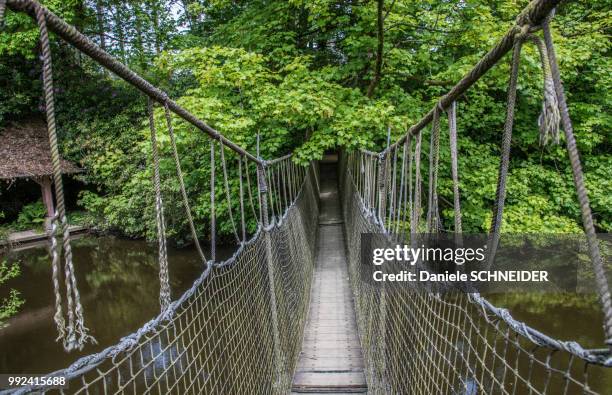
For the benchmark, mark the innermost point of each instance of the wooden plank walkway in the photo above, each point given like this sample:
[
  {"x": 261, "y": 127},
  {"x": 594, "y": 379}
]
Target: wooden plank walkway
[{"x": 331, "y": 360}]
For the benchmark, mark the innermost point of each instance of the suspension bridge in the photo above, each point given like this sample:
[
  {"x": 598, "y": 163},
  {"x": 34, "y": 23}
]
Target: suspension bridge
[{"x": 288, "y": 312}]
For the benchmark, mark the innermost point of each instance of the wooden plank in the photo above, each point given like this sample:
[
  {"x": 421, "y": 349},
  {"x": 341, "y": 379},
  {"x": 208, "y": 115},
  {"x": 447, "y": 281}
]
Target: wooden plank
[
  {"x": 331, "y": 360},
  {"x": 322, "y": 380}
]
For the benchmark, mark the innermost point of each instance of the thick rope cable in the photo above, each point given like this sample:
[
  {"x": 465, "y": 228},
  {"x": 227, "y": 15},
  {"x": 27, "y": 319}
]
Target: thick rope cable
[
  {"x": 500, "y": 194},
  {"x": 58, "y": 317},
  {"x": 452, "y": 131},
  {"x": 583, "y": 199},
  {"x": 179, "y": 174},
  {"x": 228, "y": 198},
  {"x": 164, "y": 280},
  {"x": 76, "y": 335}
]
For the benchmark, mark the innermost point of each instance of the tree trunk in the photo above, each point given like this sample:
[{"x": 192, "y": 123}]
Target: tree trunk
[
  {"x": 139, "y": 36},
  {"x": 120, "y": 34},
  {"x": 155, "y": 22},
  {"x": 100, "y": 19},
  {"x": 379, "y": 50}
]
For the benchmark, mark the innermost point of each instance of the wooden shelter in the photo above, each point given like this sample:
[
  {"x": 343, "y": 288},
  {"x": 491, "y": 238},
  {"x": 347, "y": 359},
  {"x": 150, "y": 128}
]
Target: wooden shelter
[{"x": 25, "y": 153}]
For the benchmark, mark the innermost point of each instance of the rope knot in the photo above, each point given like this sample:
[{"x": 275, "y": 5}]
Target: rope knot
[
  {"x": 550, "y": 117},
  {"x": 523, "y": 32}
]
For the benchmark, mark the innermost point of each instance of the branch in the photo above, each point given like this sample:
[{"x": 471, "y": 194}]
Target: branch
[
  {"x": 429, "y": 29},
  {"x": 389, "y": 10}
]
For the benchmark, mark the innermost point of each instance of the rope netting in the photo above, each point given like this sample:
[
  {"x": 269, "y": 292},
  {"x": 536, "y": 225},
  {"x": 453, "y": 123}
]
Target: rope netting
[
  {"x": 238, "y": 329},
  {"x": 418, "y": 338},
  {"x": 219, "y": 336}
]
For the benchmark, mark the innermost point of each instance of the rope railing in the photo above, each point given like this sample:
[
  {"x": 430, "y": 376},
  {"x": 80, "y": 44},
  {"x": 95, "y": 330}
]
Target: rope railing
[
  {"x": 554, "y": 110},
  {"x": 456, "y": 338},
  {"x": 185, "y": 349},
  {"x": 238, "y": 329}
]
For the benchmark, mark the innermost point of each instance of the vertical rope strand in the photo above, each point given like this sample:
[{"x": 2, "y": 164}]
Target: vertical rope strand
[
  {"x": 583, "y": 198},
  {"x": 414, "y": 223},
  {"x": 76, "y": 333},
  {"x": 164, "y": 281},
  {"x": 434, "y": 159},
  {"x": 241, "y": 191},
  {"x": 58, "y": 317},
  {"x": 500, "y": 194},
  {"x": 408, "y": 208},
  {"x": 213, "y": 218},
  {"x": 250, "y": 190},
  {"x": 179, "y": 173},
  {"x": 401, "y": 206},
  {"x": 227, "y": 192},
  {"x": 452, "y": 132}
]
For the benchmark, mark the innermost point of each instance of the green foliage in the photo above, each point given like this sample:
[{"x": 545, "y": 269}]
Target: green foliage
[
  {"x": 297, "y": 73},
  {"x": 9, "y": 305},
  {"x": 31, "y": 216}
]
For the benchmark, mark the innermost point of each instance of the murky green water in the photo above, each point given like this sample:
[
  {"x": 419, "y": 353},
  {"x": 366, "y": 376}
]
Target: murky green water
[{"x": 119, "y": 285}]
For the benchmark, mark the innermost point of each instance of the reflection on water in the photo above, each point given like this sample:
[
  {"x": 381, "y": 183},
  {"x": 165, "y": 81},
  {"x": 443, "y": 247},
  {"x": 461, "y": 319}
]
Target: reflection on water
[
  {"x": 119, "y": 284},
  {"x": 571, "y": 317}
]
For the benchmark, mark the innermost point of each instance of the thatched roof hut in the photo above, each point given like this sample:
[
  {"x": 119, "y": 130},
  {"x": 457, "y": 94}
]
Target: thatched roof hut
[{"x": 25, "y": 152}]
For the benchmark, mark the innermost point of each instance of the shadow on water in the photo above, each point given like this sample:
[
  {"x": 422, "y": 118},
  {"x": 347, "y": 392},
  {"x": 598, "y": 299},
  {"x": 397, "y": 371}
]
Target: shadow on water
[{"x": 119, "y": 285}]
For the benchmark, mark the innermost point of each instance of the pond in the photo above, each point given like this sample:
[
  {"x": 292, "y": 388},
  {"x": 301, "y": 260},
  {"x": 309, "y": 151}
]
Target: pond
[{"x": 119, "y": 285}]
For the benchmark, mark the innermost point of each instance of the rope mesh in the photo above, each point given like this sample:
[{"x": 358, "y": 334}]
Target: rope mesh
[
  {"x": 419, "y": 341},
  {"x": 217, "y": 338},
  {"x": 238, "y": 329}
]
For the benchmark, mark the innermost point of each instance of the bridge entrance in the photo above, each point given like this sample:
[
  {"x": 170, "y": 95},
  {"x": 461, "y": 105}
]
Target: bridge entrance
[{"x": 331, "y": 360}]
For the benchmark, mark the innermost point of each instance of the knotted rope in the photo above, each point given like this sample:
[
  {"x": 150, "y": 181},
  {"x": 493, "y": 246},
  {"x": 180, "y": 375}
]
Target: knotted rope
[
  {"x": 549, "y": 118},
  {"x": 75, "y": 335},
  {"x": 164, "y": 280}
]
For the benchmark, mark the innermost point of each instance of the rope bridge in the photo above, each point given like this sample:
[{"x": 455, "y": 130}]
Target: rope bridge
[{"x": 239, "y": 328}]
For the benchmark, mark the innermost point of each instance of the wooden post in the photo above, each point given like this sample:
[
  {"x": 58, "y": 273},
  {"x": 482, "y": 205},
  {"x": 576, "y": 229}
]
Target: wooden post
[{"x": 47, "y": 196}]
